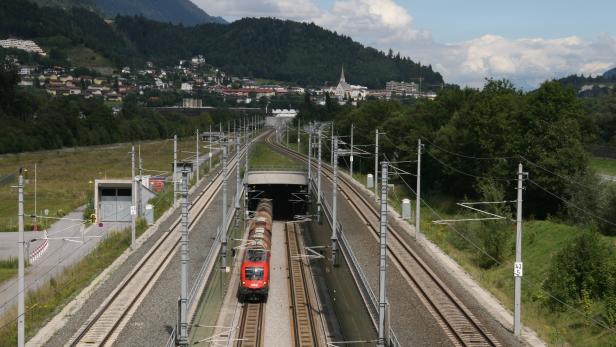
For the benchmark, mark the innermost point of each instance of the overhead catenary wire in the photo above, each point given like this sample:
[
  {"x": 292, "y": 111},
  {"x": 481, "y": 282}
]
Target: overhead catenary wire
[
  {"x": 571, "y": 204},
  {"x": 529, "y": 281},
  {"x": 466, "y": 173},
  {"x": 465, "y": 155},
  {"x": 570, "y": 180},
  {"x": 46, "y": 273}
]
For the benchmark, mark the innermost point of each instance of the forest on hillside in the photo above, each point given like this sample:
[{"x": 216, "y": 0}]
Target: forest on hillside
[
  {"x": 303, "y": 53},
  {"x": 261, "y": 48}
]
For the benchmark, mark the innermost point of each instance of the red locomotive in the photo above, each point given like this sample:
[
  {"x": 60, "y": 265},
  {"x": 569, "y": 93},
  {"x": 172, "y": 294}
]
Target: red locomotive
[{"x": 254, "y": 278}]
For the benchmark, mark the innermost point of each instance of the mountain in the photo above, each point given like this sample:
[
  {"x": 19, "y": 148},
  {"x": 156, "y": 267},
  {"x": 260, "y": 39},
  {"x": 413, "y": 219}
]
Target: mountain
[
  {"x": 59, "y": 31},
  {"x": 66, "y": 4},
  {"x": 588, "y": 86},
  {"x": 174, "y": 11},
  {"x": 262, "y": 48},
  {"x": 276, "y": 49},
  {"x": 610, "y": 74}
]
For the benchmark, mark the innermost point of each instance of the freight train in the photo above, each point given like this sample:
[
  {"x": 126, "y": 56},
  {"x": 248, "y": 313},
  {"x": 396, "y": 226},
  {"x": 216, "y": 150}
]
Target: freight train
[{"x": 255, "y": 271}]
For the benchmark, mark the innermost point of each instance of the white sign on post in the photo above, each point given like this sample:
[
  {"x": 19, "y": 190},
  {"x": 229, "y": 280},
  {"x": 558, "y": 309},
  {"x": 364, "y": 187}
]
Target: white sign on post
[
  {"x": 518, "y": 269},
  {"x": 133, "y": 210},
  {"x": 351, "y": 159}
]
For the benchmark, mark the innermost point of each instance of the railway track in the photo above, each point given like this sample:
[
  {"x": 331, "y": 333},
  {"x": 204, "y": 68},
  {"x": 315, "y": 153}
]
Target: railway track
[
  {"x": 456, "y": 320},
  {"x": 251, "y": 325},
  {"x": 304, "y": 330},
  {"x": 106, "y": 323}
]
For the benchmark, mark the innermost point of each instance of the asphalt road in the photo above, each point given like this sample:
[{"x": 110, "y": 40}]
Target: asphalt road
[{"x": 66, "y": 247}]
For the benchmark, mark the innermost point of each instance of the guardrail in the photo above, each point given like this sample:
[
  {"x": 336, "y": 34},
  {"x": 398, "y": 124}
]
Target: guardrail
[{"x": 361, "y": 281}]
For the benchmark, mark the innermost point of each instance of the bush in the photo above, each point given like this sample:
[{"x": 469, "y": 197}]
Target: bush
[
  {"x": 494, "y": 235},
  {"x": 580, "y": 270},
  {"x": 608, "y": 211},
  {"x": 585, "y": 195}
]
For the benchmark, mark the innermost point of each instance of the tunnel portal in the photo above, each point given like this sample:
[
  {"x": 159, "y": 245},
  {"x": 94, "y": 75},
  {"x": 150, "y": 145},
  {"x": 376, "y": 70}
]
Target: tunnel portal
[{"x": 288, "y": 191}]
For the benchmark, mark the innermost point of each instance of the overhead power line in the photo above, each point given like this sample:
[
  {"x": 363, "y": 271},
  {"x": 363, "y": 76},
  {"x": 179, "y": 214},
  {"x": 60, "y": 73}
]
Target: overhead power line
[
  {"x": 591, "y": 320},
  {"x": 571, "y": 204},
  {"x": 466, "y": 173}
]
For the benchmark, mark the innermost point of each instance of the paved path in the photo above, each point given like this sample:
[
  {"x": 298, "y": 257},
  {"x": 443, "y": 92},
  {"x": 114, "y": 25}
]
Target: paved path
[
  {"x": 65, "y": 248},
  {"x": 277, "y": 327}
]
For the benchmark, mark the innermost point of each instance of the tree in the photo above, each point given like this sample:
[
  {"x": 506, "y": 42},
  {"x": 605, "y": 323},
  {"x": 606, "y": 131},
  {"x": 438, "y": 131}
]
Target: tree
[
  {"x": 578, "y": 269},
  {"x": 8, "y": 82},
  {"x": 494, "y": 235},
  {"x": 607, "y": 225}
]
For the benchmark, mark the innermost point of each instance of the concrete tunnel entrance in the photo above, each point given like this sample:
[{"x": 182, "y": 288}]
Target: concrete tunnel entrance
[{"x": 288, "y": 191}]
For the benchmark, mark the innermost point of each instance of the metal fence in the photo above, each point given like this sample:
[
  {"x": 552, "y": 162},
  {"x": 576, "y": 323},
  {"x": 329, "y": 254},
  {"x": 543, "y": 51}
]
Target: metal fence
[{"x": 361, "y": 281}]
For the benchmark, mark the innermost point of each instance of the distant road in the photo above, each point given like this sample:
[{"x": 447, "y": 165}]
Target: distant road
[
  {"x": 7, "y": 179},
  {"x": 608, "y": 178},
  {"x": 65, "y": 248}
]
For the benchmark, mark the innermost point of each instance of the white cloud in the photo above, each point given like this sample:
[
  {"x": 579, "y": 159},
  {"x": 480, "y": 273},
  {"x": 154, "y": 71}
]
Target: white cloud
[
  {"x": 380, "y": 23},
  {"x": 289, "y": 9},
  {"x": 527, "y": 62},
  {"x": 384, "y": 24}
]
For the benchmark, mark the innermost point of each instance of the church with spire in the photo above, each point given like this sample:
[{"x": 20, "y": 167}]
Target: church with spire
[{"x": 345, "y": 91}]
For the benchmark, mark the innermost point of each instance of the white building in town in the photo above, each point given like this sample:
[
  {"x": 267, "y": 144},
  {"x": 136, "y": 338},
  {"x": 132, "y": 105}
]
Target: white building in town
[
  {"x": 284, "y": 113},
  {"x": 401, "y": 88},
  {"x": 24, "y": 45},
  {"x": 346, "y": 91}
]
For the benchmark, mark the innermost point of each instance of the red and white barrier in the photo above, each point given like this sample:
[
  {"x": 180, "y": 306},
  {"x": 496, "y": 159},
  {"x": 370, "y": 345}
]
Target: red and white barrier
[{"x": 40, "y": 250}]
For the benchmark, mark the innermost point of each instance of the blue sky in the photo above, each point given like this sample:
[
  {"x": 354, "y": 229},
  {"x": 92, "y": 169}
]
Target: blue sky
[
  {"x": 525, "y": 41},
  {"x": 458, "y": 20}
]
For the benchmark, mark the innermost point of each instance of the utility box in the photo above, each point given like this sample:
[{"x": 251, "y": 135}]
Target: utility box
[
  {"x": 370, "y": 181},
  {"x": 149, "y": 214},
  {"x": 406, "y": 210}
]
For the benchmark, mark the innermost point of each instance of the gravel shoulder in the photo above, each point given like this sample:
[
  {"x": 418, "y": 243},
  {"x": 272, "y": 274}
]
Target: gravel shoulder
[
  {"x": 153, "y": 321},
  {"x": 102, "y": 292}
]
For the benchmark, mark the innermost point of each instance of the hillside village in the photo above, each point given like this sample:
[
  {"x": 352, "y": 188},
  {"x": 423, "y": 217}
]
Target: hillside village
[{"x": 192, "y": 78}]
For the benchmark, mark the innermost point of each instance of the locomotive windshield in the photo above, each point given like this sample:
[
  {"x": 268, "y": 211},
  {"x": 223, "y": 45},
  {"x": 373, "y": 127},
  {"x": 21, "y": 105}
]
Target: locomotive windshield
[
  {"x": 254, "y": 273},
  {"x": 256, "y": 255}
]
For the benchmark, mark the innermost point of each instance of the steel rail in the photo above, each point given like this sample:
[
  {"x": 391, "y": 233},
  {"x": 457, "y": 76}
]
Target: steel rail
[
  {"x": 251, "y": 325},
  {"x": 304, "y": 333},
  {"x": 453, "y": 316},
  {"x": 98, "y": 329}
]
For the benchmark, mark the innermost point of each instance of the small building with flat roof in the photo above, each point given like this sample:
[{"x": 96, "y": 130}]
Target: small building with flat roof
[{"x": 113, "y": 199}]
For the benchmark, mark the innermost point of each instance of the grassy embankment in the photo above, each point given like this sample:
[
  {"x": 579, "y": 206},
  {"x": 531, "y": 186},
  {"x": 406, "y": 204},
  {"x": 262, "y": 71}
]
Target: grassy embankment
[
  {"x": 8, "y": 268},
  {"x": 264, "y": 158},
  {"x": 65, "y": 177},
  {"x": 43, "y": 303},
  {"x": 541, "y": 241},
  {"x": 603, "y": 166}
]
